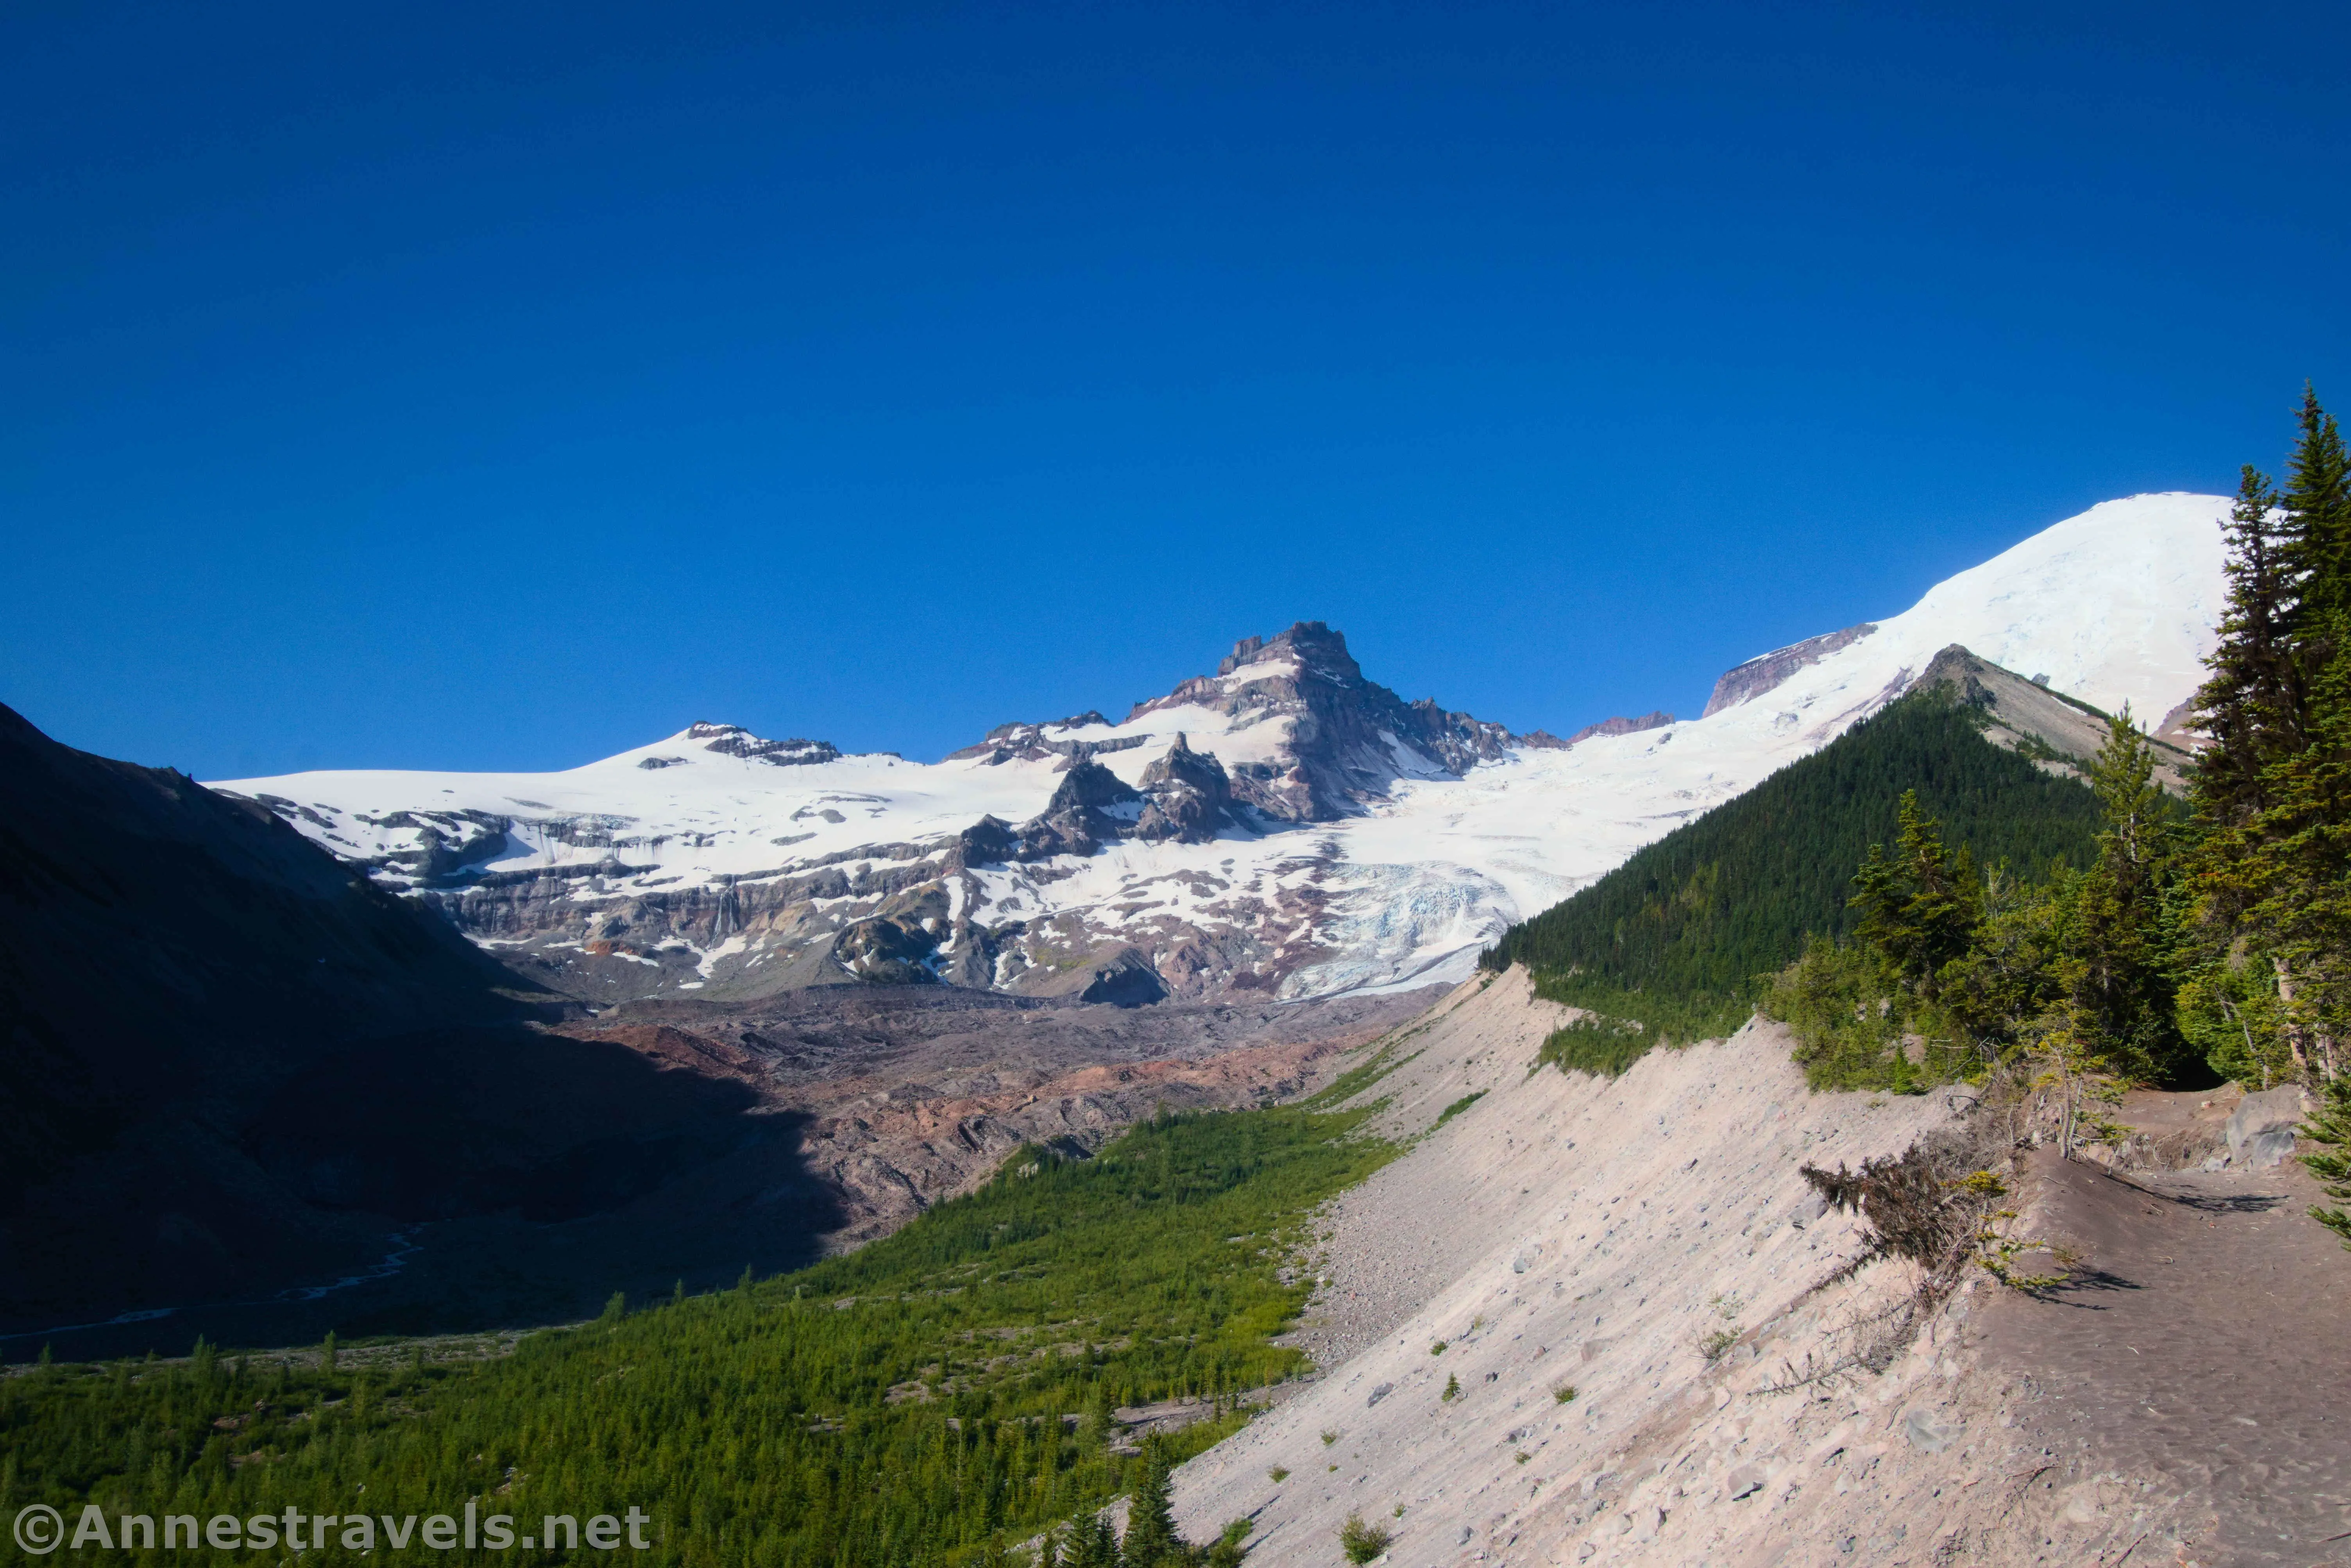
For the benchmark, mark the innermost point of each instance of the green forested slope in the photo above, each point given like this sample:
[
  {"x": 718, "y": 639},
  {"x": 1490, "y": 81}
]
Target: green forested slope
[
  {"x": 1676, "y": 936},
  {"x": 759, "y": 1426}
]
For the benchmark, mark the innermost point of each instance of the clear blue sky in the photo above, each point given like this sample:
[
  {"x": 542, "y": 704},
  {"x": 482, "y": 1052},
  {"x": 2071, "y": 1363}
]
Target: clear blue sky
[{"x": 505, "y": 386}]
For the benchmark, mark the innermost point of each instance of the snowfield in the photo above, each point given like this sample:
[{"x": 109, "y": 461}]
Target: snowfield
[{"x": 2115, "y": 606}]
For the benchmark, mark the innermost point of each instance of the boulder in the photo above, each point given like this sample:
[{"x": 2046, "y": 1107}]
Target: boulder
[
  {"x": 1927, "y": 1433},
  {"x": 2261, "y": 1131}
]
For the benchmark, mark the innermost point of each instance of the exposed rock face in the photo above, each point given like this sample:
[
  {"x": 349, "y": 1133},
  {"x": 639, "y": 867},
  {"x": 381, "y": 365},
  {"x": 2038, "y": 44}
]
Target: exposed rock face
[
  {"x": 1545, "y": 740},
  {"x": 1744, "y": 681},
  {"x": 2261, "y": 1131},
  {"x": 1092, "y": 806},
  {"x": 1349, "y": 738},
  {"x": 734, "y": 740},
  {"x": 2178, "y": 727},
  {"x": 1190, "y": 798},
  {"x": 2054, "y": 729},
  {"x": 1032, "y": 743}
]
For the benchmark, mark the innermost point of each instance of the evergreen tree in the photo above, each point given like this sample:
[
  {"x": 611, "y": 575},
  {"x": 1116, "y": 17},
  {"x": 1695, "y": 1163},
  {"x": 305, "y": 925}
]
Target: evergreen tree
[
  {"x": 1919, "y": 907},
  {"x": 1151, "y": 1538},
  {"x": 2116, "y": 964},
  {"x": 1093, "y": 1433},
  {"x": 1091, "y": 1543},
  {"x": 2317, "y": 498},
  {"x": 2268, "y": 878},
  {"x": 2251, "y": 704},
  {"x": 2331, "y": 1128},
  {"x": 1683, "y": 936},
  {"x": 2290, "y": 866}
]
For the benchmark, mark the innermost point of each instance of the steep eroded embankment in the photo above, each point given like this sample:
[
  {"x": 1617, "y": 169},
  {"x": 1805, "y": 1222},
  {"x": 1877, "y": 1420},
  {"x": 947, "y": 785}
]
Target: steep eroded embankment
[{"x": 1649, "y": 1242}]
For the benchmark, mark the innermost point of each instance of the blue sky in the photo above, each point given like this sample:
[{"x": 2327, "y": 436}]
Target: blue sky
[{"x": 502, "y": 386}]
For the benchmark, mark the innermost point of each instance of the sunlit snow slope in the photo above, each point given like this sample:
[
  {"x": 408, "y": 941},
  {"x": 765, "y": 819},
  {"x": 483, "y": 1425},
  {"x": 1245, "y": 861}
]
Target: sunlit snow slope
[{"x": 714, "y": 862}]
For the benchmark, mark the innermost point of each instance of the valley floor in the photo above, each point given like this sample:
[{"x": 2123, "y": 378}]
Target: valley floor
[{"x": 1563, "y": 1231}]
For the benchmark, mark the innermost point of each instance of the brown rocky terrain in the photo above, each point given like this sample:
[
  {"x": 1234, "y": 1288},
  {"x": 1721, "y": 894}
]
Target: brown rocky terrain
[{"x": 903, "y": 1097}]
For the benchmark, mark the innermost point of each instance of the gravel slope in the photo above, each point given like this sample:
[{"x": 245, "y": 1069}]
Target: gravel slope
[{"x": 1565, "y": 1230}]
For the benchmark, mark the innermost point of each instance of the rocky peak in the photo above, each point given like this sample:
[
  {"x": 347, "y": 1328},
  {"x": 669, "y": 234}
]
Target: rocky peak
[
  {"x": 1312, "y": 644},
  {"x": 1349, "y": 739},
  {"x": 1344, "y": 739},
  {"x": 734, "y": 740},
  {"x": 1182, "y": 764}
]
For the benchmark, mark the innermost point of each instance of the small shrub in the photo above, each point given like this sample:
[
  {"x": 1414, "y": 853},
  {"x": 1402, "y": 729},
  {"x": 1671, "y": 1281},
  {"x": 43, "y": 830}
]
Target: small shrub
[
  {"x": 1361, "y": 1542},
  {"x": 1438, "y": 1349},
  {"x": 1452, "y": 1390},
  {"x": 1919, "y": 1208},
  {"x": 1713, "y": 1346},
  {"x": 1277, "y": 1475},
  {"x": 1329, "y": 1436},
  {"x": 1564, "y": 1393},
  {"x": 1522, "y": 1455}
]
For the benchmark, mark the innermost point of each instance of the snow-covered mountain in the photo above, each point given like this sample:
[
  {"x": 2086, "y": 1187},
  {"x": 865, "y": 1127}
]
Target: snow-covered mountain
[{"x": 1284, "y": 826}]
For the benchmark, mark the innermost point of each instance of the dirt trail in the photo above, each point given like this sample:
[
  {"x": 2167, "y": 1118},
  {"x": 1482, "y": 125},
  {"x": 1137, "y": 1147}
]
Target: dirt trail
[
  {"x": 1609, "y": 1235},
  {"x": 2205, "y": 1347}
]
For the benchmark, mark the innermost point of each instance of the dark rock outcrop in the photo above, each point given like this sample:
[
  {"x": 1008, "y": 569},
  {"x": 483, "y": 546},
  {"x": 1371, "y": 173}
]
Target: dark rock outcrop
[
  {"x": 1090, "y": 807},
  {"x": 1030, "y": 743},
  {"x": 734, "y": 740},
  {"x": 1126, "y": 981},
  {"x": 1742, "y": 682},
  {"x": 1544, "y": 740},
  {"x": 1189, "y": 797},
  {"x": 886, "y": 952}
]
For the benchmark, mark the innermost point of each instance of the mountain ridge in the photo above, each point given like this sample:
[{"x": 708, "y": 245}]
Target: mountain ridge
[{"x": 1359, "y": 841}]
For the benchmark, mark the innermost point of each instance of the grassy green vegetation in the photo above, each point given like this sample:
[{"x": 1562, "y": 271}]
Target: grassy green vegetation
[
  {"x": 1459, "y": 1106},
  {"x": 1680, "y": 937},
  {"x": 907, "y": 1404},
  {"x": 1597, "y": 1043},
  {"x": 1378, "y": 1064}
]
